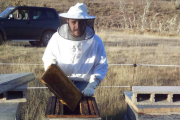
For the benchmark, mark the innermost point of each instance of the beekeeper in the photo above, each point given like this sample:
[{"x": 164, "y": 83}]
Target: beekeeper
[{"x": 77, "y": 50}]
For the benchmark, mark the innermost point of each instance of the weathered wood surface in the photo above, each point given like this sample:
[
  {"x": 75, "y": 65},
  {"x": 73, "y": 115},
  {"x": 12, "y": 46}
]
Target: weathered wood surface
[
  {"x": 91, "y": 107},
  {"x": 57, "y": 111},
  {"x": 73, "y": 118},
  {"x": 87, "y": 108},
  {"x": 96, "y": 110},
  {"x": 11, "y": 81},
  {"x": 84, "y": 107},
  {"x": 48, "y": 108},
  {"x": 57, "y": 81}
]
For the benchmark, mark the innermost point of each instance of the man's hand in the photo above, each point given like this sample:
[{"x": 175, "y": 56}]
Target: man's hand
[{"x": 89, "y": 90}]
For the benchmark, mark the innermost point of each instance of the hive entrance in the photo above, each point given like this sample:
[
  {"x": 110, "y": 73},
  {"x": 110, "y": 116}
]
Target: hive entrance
[
  {"x": 143, "y": 97},
  {"x": 161, "y": 97}
]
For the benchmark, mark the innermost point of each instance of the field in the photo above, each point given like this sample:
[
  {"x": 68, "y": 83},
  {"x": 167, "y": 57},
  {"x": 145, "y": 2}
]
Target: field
[{"x": 145, "y": 31}]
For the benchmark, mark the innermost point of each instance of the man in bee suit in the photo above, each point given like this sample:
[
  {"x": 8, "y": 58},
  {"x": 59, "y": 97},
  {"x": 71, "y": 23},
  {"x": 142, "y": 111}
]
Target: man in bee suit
[{"x": 77, "y": 50}]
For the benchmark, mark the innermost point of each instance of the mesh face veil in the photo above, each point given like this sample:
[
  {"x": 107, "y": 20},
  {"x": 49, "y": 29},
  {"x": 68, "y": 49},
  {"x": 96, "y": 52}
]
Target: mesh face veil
[{"x": 76, "y": 29}]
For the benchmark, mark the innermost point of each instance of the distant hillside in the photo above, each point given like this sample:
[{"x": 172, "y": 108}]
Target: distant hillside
[{"x": 160, "y": 17}]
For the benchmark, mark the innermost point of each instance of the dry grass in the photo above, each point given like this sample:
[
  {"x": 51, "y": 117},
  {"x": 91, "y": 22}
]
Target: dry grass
[
  {"x": 160, "y": 17},
  {"x": 114, "y": 20},
  {"x": 121, "y": 48}
]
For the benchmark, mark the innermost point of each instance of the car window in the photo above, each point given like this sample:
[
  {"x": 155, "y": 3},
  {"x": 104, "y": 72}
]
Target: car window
[
  {"x": 6, "y": 12},
  {"x": 21, "y": 14},
  {"x": 50, "y": 14},
  {"x": 38, "y": 14}
]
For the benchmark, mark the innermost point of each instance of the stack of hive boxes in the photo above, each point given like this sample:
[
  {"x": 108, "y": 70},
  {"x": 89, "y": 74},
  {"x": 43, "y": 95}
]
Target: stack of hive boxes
[
  {"x": 68, "y": 102},
  {"x": 153, "y": 102},
  {"x": 13, "y": 91}
]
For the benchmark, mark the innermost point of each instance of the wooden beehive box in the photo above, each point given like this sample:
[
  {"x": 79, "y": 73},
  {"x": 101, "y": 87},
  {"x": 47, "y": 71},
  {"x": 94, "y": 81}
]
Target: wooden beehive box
[
  {"x": 86, "y": 109},
  {"x": 57, "y": 81}
]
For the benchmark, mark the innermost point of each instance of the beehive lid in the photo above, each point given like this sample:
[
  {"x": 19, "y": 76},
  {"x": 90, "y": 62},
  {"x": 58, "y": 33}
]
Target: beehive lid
[{"x": 57, "y": 81}]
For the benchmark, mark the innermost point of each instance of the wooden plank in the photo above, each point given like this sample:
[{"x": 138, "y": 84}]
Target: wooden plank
[
  {"x": 57, "y": 107},
  {"x": 53, "y": 106},
  {"x": 57, "y": 81},
  {"x": 48, "y": 107},
  {"x": 90, "y": 106},
  {"x": 96, "y": 110},
  {"x": 82, "y": 109},
  {"x": 72, "y": 116},
  {"x": 61, "y": 110},
  {"x": 86, "y": 106}
]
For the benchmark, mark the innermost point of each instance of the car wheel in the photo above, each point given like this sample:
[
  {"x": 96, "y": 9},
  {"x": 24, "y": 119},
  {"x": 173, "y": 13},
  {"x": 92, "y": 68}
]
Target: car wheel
[
  {"x": 46, "y": 37},
  {"x": 1, "y": 40},
  {"x": 35, "y": 43}
]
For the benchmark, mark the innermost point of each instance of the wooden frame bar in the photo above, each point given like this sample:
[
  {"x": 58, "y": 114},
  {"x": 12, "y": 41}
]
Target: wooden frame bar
[{"x": 59, "y": 84}]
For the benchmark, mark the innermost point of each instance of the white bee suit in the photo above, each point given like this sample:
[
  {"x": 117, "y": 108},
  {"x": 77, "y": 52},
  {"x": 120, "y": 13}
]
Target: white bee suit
[
  {"x": 83, "y": 59},
  {"x": 78, "y": 59}
]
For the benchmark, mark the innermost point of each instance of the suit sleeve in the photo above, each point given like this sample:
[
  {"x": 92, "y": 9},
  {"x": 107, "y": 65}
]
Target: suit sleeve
[
  {"x": 101, "y": 65},
  {"x": 49, "y": 54}
]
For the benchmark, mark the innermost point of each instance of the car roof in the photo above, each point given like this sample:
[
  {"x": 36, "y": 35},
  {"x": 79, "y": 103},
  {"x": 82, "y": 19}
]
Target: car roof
[{"x": 32, "y": 7}]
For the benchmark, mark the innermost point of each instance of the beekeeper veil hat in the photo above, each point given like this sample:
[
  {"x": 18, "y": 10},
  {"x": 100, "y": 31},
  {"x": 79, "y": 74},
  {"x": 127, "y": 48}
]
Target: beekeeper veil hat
[{"x": 78, "y": 12}]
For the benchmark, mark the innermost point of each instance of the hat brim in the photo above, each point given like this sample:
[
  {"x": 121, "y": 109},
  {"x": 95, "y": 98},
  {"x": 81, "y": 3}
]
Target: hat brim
[{"x": 76, "y": 16}]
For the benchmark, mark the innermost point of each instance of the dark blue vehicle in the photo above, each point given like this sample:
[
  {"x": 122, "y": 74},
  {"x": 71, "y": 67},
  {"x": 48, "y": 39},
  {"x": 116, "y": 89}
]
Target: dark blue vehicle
[{"x": 26, "y": 23}]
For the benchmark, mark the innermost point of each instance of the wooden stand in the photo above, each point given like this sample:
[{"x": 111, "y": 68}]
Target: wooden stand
[
  {"x": 86, "y": 109},
  {"x": 13, "y": 89}
]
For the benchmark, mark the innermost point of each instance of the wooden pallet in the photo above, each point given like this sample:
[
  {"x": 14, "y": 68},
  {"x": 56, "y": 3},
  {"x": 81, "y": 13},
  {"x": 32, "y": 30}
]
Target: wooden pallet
[
  {"x": 57, "y": 81},
  {"x": 87, "y": 108}
]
